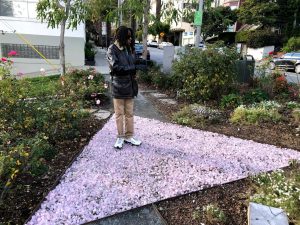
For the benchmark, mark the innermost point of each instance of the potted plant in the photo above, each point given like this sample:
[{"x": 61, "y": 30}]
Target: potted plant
[{"x": 90, "y": 53}]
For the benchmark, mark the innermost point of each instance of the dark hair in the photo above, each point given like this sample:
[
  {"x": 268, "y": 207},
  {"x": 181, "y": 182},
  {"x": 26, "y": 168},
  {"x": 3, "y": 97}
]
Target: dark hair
[
  {"x": 132, "y": 43},
  {"x": 122, "y": 35}
]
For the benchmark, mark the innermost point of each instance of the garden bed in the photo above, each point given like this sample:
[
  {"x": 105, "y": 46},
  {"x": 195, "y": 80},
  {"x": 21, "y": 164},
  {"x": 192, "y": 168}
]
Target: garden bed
[
  {"x": 231, "y": 198},
  {"x": 24, "y": 197}
]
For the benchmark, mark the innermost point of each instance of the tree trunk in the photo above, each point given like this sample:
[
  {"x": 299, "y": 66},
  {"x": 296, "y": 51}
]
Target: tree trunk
[
  {"x": 133, "y": 23},
  {"x": 295, "y": 20},
  {"x": 62, "y": 48},
  {"x": 158, "y": 9},
  {"x": 145, "y": 28},
  {"x": 62, "y": 40}
]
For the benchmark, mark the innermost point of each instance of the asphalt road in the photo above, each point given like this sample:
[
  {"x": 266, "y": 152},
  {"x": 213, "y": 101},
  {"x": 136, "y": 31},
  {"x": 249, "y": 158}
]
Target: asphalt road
[{"x": 292, "y": 77}]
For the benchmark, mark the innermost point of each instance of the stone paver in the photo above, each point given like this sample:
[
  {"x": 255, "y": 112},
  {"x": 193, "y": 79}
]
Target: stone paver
[
  {"x": 102, "y": 114},
  {"x": 147, "y": 215},
  {"x": 262, "y": 215},
  {"x": 159, "y": 95},
  {"x": 168, "y": 101}
]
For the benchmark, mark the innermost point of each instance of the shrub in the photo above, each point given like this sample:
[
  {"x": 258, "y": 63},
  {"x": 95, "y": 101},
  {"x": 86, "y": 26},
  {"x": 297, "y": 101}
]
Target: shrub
[
  {"x": 42, "y": 86},
  {"x": 261, "y": 38},
  {"x": 155, "y": 77},
  {"x": 87, "y": 86},
  {"x": 280, "y": 84},
  {"x": 255, "y": 95},
  {"x": 242, "y": 36},
  {"x": 294, "y": 91},
  {"x": 292, "y": 105},
  {"x": 30, "y": 127},
  {"x": 278, "y": 190},
  {"x": 89, "y": 51},
  {"x": 184, "y": 117},
  {"x": 6, "y": 65},
  {"x": 296, "y": 115},
  {"x": 196, "y": 114},
  {"x": 214, "y": 214},
  {"x": 293, "y": 44},
  {"x": 144, "y": 77},
  {"x": 231, "y": 101},
  {"x": 261, "y": 112},
  {"x": 202, "y": 75}
]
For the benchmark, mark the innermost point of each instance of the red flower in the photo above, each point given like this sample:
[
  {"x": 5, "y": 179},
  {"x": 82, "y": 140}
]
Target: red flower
[
  {"x": 3, "y": 59},
  {"x": 281, "y": 78},
  {"x": 12, "y": 53}
]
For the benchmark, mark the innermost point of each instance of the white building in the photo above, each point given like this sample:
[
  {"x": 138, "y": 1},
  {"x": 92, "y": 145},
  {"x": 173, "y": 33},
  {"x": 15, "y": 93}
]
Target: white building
[
  {"x": 20, "y": 30},
  {"x": 183, "y": 32}
]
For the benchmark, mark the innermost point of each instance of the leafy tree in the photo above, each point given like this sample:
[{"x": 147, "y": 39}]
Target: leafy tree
[
  {"x": 157, "y": 27},
  {"x": 259, "y": 12},
  {"x": 170, "y": 13},
  {"x": 288, "y": 16},
  {"x": 216, "y": 20},
  {"x": 59, "y": 13}
]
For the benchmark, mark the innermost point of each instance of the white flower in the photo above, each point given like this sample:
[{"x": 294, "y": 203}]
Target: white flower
[
  {"x": 90, "y": 77},
  {"x": 42, "y": 70},
  {"x": 98, "y": 102}
]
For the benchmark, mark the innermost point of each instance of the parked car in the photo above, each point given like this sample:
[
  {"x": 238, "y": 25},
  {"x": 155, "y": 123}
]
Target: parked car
[
  {"x": 163, "y": 44},
  {"x": 139, "y": 49},
  {"x": 152, "y": 43},
  {"x": 288, "y": 61}
]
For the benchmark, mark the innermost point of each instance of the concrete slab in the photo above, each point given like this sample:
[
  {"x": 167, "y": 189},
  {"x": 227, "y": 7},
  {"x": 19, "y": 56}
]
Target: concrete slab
[
  {"x": 147, "y": 215},
  {"x": 143, "y": 108},
  {"x": 262, "y": 214}
]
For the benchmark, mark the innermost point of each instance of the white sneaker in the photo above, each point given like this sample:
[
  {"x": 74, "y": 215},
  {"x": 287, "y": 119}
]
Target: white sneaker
[
  {"x": 119, "y": 143},
  {"x": 133, "y": 141}
]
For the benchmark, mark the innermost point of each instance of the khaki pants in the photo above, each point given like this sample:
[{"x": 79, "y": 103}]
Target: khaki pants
[{"x": 124, "y": 117}]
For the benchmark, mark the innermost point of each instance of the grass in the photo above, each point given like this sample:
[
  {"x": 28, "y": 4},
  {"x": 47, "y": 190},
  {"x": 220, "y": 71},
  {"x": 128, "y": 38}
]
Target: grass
[{"x": 42, "y": 86}]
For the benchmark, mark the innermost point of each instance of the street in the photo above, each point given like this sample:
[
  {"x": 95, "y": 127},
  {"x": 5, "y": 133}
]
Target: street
[{"x": 292, "y": 77}]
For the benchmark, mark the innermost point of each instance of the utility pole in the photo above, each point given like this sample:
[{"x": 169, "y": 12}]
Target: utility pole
[{"x": 199, "y": 19}]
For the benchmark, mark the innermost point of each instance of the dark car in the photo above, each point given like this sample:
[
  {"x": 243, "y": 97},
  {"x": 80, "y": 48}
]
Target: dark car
[
  {"x": 139, "y": 49},
  {"x": 288, "y": 61}
]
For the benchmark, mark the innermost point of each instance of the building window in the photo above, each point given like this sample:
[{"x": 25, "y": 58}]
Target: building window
[
  {"x": 25, "y": 51},
  {"x": 18, "y": 8}
]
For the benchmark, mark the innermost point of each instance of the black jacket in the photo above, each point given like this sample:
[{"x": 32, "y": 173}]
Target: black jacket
[{"x": 122, "y": 69}]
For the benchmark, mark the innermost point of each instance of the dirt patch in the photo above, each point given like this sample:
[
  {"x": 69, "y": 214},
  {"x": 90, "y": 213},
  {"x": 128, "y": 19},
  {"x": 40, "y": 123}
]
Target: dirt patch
[{"x": 27, "y": 193}]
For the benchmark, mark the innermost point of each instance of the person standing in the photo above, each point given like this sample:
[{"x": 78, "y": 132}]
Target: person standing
[{"x": 123, "y": 70}]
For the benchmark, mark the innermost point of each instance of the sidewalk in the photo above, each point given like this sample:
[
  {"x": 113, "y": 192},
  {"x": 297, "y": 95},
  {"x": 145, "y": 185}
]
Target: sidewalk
[{"x": 113, "y": 187}]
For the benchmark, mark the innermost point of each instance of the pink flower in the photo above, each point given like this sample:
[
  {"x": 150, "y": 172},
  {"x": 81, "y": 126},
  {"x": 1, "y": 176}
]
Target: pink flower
[
  {"x": 3, "y": 59},
  {"x": 12, "y": 53}
]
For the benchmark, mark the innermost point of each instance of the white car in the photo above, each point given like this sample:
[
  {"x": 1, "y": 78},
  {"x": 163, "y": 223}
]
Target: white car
[
  {"x": 152, "y": 44},
  {"x": 163, "y": 44}
]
